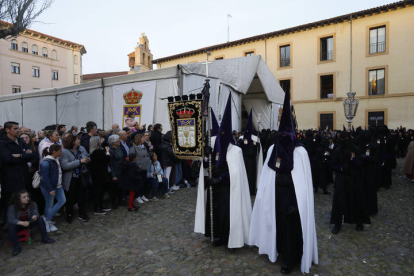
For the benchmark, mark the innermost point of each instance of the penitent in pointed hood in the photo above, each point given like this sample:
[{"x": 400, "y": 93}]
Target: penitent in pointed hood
[
  {"x": 281, "y": 159},
  {"x": 248, "y": 131},
  {"x": 224, "y": 136},
  {"x": 214, "y": 124}
]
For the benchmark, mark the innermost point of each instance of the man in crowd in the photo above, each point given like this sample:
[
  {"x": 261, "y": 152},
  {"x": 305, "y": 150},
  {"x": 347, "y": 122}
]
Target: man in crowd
[
  {"x": 123, "y": 136},
  {"x": 14, "y": 155},
  {"x": 91, "y": 129}
]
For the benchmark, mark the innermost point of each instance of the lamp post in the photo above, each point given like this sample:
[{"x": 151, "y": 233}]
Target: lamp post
[{"x": 350, "y": 108}]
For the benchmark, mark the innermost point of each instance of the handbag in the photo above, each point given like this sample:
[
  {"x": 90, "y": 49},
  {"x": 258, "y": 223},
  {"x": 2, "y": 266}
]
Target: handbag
[{"x": 36, "y": 180}]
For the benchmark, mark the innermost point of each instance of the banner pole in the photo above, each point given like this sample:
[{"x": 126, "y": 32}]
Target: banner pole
[{"x": 210, "y": 174}]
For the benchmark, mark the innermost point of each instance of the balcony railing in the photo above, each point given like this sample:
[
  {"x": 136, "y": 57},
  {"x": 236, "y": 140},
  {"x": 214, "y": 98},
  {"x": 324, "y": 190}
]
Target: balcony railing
[{"x": 378, "y": 47}]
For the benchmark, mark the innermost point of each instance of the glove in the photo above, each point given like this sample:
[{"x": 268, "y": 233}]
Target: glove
[
  {"x": 213, "y": 181},
  {"x": 209, "y": 150}
]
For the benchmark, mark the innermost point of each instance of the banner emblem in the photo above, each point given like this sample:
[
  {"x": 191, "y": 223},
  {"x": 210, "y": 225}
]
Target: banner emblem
[
  {"x": 131, "y": 98},
  {"x": 186, "y": 128}
]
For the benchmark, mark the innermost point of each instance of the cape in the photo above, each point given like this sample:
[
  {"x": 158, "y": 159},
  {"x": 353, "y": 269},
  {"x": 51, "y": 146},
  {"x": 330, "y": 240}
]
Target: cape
[
  {"x": 240, "y": 203},
  {"x": 259, "y": 160},
  {"x": 263, "y": 222}
]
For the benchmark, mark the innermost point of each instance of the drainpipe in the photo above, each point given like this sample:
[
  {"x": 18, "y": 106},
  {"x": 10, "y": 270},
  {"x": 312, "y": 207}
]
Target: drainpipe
[{"x": 265, "y": 48}]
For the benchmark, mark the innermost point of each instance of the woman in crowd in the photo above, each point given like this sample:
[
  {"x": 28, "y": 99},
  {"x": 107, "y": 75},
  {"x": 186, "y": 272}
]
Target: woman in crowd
[
  {"x": 73, "y": 160},
  {"x": 23, "y": 213},
  {"x": 132, "y": 181},
  {"x": 116, "y": 166},
  {"x": 150, "y": 128},
  {"x": 168, "y": 159},
  {"x": 32, "y": 167},
  {"x": 51, "y": 137},
  {"x": 156, "y": 138},
  {"x": 156, "y": 175},
  {"x": 100, "y": 159},
  {"x": 143, "y": 165},
  {"x": 51, "y": 183}
]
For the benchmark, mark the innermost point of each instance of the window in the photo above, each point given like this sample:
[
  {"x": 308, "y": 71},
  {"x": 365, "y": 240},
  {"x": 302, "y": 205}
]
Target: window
[
  {"x": 15, "y": 68},
  {"x": 327, "y": 48},
  {"x": 377, "y": 38},
  {"x": 16, "y": 89},
  {"x": 132, "y": 59},
  {"x": 54, "y": 75},
  {"x": 326, "y": 121},
  {"x": 376, "y": 118},
  {"x": 285, "y": 84},
  {"x": 34, "y": 88},
  {"x": 54, "y": 54},
  {"x": 34, "y": 50},
  {"x": 376, "y": 82},
  {"x": 24, "y": 47},
  {"x": 285, "y": 56},
  {"x": 44, "y": 52},
  {"x": 35, "y": 72},
  {"x": 326, "y": 86},
  {"x": 149, "y": 61},
  {"x": 76, "y": 79},
  {"x": 248, "y": 54},
  {"x": 76, "y": 59},
  {"x": 143, "y": 59},
  {"x": 14, "y": 45},
  {"x": 219, "y": 58}
]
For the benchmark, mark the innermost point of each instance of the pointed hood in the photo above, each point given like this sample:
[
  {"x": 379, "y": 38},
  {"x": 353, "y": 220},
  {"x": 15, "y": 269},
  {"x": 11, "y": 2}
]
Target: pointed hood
[
  {"x": 286, "y": 141},
  {"x": 224, "y": 136},
  {"x": 286, "y": 126},
  {"x": 248, "y": 131},
  {"x": 214, "y": 124}
]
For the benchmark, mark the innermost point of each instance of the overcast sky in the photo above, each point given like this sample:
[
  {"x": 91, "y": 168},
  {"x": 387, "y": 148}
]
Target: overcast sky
[{"x": 110, "y": 29}]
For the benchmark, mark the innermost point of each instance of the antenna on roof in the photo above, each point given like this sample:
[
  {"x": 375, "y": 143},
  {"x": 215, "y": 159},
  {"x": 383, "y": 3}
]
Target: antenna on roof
[{"x": 228, "y": 27}]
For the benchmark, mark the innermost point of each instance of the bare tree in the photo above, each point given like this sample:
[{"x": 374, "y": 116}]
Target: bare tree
[{"x": 21, "y": 14}]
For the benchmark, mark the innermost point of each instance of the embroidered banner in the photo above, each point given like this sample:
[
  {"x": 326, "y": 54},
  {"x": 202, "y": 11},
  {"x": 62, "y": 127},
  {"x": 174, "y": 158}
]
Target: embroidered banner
[
  {"x": 186, "y": 128},
  {"x": 138, "y": 98}
]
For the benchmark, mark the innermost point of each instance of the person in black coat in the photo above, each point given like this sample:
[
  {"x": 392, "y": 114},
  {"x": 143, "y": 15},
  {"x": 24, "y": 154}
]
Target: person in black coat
[
  {"x": 14, "y": 154},
  {"x": 156, "y": 138},
  {"x": 370, "y": 167},
  {"x": 133, "y": 180},
  {"x": 349, "y": 199},
  {"x": 100, "y": 159}
]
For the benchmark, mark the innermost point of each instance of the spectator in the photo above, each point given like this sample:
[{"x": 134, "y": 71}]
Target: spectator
[
  {"x": 51, "y": 184},
  {"x": 156, "y": 138},
  {"x": 409, "y": 162},
  {"x": 143, "y": 165},
  {"x": 100, "y": 160},
  {"x": 114, "y": 127},
  {"x": 132, "y": 181},
  {"x": 24, "y": 130},
  {"x": 23, "y": 213},
  {"x": 62, "y": 128},
  {"x": 102, "y": 136},
  {"x": 14, "y": 155},
  {"x": 123, "y": 137},
  {"x": 52, "y": 137},
  {"x": 73, "y": 130},
  {"x": 91, "y": 130},
  {"x": 150, "y": 128},
  {"x": 168, "y": 158},
  {"x": 40, "y": 135},
  {"x": 156, "y": 175},
  {"x": 73, "y": 161},
  {"x": 147, "y": 143},
  {"x": 116, "y": 165}
]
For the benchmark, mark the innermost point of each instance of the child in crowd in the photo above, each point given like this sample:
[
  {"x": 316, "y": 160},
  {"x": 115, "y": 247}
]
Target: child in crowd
[
  {"x": 23, "y": 213},
  {"x": 51, "y": 184},
  {"x": 158, "y": 180},
  {"x": 133, "y": 180}
]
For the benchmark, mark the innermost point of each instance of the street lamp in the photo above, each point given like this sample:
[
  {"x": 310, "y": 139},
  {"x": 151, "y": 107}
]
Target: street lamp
[{"x": 350, "y": 108}]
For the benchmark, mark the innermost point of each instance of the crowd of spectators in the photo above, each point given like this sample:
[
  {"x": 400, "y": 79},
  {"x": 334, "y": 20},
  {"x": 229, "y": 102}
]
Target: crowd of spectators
[{"x": 83, "y": 172}]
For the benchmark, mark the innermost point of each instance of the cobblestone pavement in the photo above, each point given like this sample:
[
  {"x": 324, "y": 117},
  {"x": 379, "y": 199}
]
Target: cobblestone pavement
[{"x": 159, "y": 240}]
